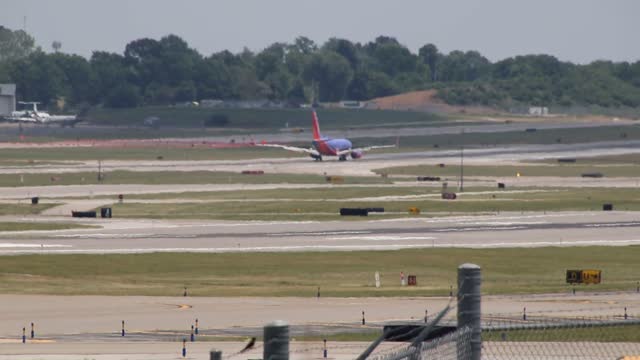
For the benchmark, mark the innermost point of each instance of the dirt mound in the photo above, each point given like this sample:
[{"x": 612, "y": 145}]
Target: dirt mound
[{"x": 424, "y": 100}]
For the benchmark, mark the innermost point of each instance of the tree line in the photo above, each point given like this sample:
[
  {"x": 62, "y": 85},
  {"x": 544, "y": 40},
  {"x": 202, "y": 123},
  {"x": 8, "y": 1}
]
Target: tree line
[{"x": 168, "y": 71}]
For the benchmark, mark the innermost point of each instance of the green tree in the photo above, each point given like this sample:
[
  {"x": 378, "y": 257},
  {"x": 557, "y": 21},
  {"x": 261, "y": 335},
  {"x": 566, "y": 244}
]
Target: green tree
[
  {"x": 124, "y": 96},
  {"x": 39, "y": 78},
  {"x": 15, "y": 45},
  {"x": 332, "y": 74},
  {"x": 346, "y": 48},
  {"x": 213, "y": 79},
  {"x": 430, "y": 56},
  {"x": 108, "y": 71},
  {"x": 304, "y": 45},
  {"x": 77, "y": 72}
]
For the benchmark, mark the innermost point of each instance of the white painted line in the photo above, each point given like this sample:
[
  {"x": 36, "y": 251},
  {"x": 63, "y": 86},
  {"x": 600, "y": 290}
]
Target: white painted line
[
  {"x": 17, "y": 245},
  {"x": 382, "y": 238},
  {"x": 117, "y": 235},
  {"x": 479, "y": 228},
  {"x": 321, "y": 233},
  {"x": 295, "y": 248}
]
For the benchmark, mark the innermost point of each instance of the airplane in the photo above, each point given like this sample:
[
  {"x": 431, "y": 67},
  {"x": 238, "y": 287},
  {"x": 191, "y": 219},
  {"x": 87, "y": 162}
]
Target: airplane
[
  {"x": 325, "y": 146},
  {"x": 40, "y": 117}
]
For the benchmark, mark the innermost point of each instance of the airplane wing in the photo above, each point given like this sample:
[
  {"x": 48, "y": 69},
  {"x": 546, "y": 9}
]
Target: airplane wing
[
  {"x": 311, "y": 151},
  {"x": 364, "y": 149}
]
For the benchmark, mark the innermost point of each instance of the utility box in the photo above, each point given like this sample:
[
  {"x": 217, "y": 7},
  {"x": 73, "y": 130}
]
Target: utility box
[{"x": 412, "y": 280}]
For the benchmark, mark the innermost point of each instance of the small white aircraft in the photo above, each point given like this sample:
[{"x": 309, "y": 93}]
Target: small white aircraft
[{"x": 40, "y": 117}]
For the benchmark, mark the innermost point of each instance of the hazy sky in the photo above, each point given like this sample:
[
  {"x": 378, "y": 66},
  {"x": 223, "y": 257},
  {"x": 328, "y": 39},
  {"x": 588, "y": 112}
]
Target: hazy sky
[{"x": 574, "y": 30}]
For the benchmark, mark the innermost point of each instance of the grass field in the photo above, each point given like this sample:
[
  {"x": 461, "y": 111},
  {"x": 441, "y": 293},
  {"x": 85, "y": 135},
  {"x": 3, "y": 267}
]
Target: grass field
[
  {"x": 342, "y": 274},
  {"x": 27, "y": 157},
  {"x": 603, "y": 160},
  {"x": 171, "y": 177},
  {"x": 407, "y": 143},
  {"x": 310, "y": 208},
  {"x": 627, "y": 333},
  {"x": 344, "y": 191},
  {"x": 560, "y": 170},
  {"x": 41, "y": 226},
  {"x": 261, "y": 118},
  {"x": 548, "y": 136},
  {"x": 22, "y": 209}
]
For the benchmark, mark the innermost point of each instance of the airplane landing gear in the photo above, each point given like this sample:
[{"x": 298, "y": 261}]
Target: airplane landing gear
[{"x": 343, "y": 158}]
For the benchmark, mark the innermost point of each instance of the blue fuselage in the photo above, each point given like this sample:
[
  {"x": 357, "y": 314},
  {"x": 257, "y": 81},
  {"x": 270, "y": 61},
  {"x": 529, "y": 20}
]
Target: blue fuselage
[{"x": 331, "y": 147}]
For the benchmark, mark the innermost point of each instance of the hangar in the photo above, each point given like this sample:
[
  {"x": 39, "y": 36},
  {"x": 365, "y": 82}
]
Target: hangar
[{"x": 7, "y": 99}]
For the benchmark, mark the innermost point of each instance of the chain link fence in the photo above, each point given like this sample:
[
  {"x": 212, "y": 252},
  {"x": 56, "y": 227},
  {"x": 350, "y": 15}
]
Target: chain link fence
[
  {"x": 454, "y": 346},
  {"x": 561, "y": 338},
  {"x": 536, "y": 338}
]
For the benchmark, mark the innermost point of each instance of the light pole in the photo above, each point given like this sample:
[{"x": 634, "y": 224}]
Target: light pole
[{"x": 462, "y": 168}]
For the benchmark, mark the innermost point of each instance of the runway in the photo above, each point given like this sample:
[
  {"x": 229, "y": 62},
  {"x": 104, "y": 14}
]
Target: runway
[
  {"x": 483, "y": 231},
  {"x": 360, "y": 167}
]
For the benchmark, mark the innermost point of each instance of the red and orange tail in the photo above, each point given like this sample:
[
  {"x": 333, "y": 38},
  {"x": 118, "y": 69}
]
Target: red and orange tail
[{"x": 316, "y": 127}]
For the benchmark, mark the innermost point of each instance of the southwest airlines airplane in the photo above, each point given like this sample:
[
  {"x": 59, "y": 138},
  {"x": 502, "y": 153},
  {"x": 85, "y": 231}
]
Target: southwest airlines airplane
[{"x": 324, "y": 146}]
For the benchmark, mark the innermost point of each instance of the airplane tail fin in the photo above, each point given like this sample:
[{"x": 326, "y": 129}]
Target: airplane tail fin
[{"x": 316, "y": 127}]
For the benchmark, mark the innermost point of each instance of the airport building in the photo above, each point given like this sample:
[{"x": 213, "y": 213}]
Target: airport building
[{"x": 7, "y": 99}]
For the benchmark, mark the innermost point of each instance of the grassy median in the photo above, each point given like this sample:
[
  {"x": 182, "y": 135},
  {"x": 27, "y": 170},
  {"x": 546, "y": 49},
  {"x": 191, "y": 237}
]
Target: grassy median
[{"x": 342, "y": 274}]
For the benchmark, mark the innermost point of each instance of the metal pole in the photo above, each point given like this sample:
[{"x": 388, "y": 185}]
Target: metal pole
[
  {"x": 469, "y": 282},
  {"x": 462, "y": 168},
  {"x": 276, "y": 341}
]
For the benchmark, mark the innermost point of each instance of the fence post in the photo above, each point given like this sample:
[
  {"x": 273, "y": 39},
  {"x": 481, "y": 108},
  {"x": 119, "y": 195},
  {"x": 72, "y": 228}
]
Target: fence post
[
  {"x": 276, "y": 341},
  {"x": 469, "y": 281},
  {"x": 215, "y": 354}
]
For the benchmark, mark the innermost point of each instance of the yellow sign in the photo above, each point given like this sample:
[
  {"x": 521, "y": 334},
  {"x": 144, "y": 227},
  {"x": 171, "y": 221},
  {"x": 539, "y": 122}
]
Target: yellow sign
[
  {"x": 591, "y": 276},
  {"x": 414, "y": 211},
  {"x": 335, "y": 179}
]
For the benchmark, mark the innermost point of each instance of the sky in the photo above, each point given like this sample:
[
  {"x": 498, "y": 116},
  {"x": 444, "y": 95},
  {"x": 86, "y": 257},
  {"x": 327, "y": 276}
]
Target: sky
[{"x": 580, "y": 31}]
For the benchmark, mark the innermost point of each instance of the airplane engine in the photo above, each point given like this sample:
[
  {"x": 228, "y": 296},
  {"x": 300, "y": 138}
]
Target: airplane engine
[{"x": 356, "y": 154}]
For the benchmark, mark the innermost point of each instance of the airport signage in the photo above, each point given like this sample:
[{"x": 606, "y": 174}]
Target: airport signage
[{"x": 589, "y": 276}]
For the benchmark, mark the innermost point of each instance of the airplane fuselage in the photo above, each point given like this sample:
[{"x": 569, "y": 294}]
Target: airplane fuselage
[{"x": 331, "y": 147}]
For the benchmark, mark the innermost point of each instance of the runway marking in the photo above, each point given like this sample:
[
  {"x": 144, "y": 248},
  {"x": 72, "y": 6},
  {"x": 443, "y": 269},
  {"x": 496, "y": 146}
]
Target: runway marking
[
  {"x": 17, "y": 245},
  {"x": 383, "y": 238},
  {"x": 320, "y": 247},
  {"x": 130, "y": 236},
  {"x": 180, "y": 306},
  {"x": 303, "y": 233},
  {"x": 479, "y": 228},
  {"x": 34, "y": 341},
  {"x": 614, "y": 224}
]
